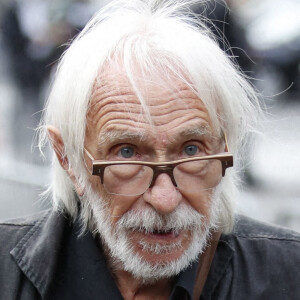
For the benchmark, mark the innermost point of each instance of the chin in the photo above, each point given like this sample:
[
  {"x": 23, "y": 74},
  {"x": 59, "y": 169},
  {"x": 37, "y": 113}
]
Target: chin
[{"x": 159, "y": 262}]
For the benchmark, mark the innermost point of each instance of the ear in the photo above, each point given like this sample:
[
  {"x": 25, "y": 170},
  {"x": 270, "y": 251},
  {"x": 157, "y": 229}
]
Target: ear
[{"x": 59, "y": 149}]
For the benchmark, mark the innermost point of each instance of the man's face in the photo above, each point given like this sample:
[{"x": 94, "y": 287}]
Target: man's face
[{"x": 117, "y": 129}]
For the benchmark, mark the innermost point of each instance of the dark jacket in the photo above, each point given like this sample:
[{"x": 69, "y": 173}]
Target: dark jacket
[{"x": 42, "y": 257}]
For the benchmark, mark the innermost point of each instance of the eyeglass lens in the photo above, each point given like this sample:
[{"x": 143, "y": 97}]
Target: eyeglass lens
[{"x": 132, "y": 180}]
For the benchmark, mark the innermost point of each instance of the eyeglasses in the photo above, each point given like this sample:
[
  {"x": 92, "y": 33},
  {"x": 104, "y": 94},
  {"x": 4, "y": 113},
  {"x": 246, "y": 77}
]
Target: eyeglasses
[{"x": 133, "y": 178}]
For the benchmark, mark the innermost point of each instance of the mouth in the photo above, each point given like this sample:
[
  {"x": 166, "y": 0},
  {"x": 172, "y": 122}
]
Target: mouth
[
  {"x": 164, "y": 243},
  {"x": 163, "y": 234},
  {"x": 157, "y": 242}
]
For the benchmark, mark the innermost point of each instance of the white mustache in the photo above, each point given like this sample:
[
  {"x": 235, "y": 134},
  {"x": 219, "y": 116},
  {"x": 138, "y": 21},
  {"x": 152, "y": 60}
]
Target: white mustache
[{"x": 148, "y": 220}]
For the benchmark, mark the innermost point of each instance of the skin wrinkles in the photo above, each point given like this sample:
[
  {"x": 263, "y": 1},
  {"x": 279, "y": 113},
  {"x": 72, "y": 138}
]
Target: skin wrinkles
[
  {"x": 113, "y": 109},
  {"x": 179, "y": 118},
  {"x": 116, "y": 113},
  {"x": 111, "y": 113},
  {"x": 165, "y": 150},
  {"x": 105, "y": 85},
  {"x": 145, "y": 140},
  {"x": 107, "y": 92},
  {"x": 135, "y": 125},
  {"x": 115, "y": 134},
  {"x": 157, "y": 106}
]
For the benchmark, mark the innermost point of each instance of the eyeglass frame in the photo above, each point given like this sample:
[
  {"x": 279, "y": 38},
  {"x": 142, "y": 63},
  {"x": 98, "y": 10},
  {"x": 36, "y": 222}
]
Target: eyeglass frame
[{"x": 98, "y": 166}]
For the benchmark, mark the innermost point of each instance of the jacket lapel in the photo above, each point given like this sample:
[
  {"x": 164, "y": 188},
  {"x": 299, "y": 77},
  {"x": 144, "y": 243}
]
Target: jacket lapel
[{"x": 35, "y": 252}]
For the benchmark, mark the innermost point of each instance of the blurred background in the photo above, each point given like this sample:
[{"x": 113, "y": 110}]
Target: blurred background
[{"x": 264, "y": 36}]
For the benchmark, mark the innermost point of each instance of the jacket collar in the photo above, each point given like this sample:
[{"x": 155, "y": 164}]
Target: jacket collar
[
  {"x": 32, "y": 253},
  {"x": 38, "y": 251}
]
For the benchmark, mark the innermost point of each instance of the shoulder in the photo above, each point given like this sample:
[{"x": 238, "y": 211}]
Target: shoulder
[
  {"x": 29, "y": 220},
  {"x": 12, "y": 230},
  {"x": 258, "y": 238},
  {"x": 264, "y": 260},
  {"x": 27, "y": 250},
  {"x": 248, "y": 228}
]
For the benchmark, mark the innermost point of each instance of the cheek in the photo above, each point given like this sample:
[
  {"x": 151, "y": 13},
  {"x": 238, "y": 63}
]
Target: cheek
[
  {"x": 200, "y": 201},
  {"x": 117, "y": 205}
]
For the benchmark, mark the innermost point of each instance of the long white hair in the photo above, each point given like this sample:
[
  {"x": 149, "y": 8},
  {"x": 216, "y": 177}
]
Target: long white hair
[{"x": 161, "y": 37}]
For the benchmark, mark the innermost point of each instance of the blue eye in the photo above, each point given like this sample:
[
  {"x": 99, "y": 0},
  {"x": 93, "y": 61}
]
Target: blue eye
[
  {"x": 126, "y": 152},
  {"x": 191, "y": 150}
]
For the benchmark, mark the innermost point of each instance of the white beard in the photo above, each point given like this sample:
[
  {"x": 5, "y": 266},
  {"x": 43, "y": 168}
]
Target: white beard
[{"x": 121, "y": 251}]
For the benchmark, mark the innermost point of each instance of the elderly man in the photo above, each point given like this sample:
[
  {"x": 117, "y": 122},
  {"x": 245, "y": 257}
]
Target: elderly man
[{"x": 145, "y": 116}]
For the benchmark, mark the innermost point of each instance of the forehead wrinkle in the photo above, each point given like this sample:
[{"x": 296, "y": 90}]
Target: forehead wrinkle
[
  {"x": 110, "y": 93},
  {"x": 105, "y": 103},
  {"x": 108, "y": 88},
  {"x": 182, "y": 95},
  {"x": 191, "y": 105},
  {"x": 113, "y": 91},
  {"x": 110, "y": 110}
]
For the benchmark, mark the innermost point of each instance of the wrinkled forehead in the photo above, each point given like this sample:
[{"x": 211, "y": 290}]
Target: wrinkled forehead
[
  {"x": 141, "y": 80},
  {"x": 154, "y": 106},
  {"x": 148, "y": 95}
]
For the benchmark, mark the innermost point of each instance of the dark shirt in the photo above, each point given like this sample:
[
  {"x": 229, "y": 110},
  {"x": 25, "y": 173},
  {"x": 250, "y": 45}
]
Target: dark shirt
[
  {"x": 43, "y": 258},
  {"x": 83, "y": 274}
]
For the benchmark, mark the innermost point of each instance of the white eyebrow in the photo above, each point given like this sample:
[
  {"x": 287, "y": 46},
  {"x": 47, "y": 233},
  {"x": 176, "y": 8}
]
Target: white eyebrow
[
  {"x": 195, "y": 131},
  {"x": 116, "y": 135}
]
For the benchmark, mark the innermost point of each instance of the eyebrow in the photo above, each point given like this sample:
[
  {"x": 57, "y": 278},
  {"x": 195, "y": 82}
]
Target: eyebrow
[
  {"x": 195, "y": 131},
  {"x": 118, "y": 135}
]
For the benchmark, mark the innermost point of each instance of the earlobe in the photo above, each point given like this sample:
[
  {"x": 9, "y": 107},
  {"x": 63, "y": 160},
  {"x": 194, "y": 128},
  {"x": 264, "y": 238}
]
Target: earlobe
[{"x": 59, "y": 149}]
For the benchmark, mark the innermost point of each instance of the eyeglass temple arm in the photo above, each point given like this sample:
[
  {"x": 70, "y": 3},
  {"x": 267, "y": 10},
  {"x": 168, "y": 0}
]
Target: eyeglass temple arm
[
  {"x": 229, "y": 162},
  {"x": 88, "y": 154},
  {"x": 91, "y": 170},
  {"x": 226, "y": 143}
]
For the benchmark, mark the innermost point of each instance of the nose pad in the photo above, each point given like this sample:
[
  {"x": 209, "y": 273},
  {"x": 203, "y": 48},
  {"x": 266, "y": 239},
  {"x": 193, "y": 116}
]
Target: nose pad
[{"x": 163, "y": 196}]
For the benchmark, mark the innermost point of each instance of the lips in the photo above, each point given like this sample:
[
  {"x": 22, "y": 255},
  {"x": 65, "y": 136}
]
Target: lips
[
  {"x": 158, "y": 234},
  {"x": 165, "y": 233},
  {"x": 157, "y": 231}
]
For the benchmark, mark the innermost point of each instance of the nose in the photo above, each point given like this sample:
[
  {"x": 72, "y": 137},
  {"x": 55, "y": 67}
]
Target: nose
[{"x": 163, "y": 196}]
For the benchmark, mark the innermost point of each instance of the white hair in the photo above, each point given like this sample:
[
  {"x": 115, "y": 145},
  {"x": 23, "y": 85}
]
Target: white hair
[{"x": 153, "y": 36}]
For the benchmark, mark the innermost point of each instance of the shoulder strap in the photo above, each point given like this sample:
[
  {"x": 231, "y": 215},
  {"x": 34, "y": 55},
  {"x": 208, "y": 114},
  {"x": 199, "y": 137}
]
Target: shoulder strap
[{"x": 204, "y": 265}]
